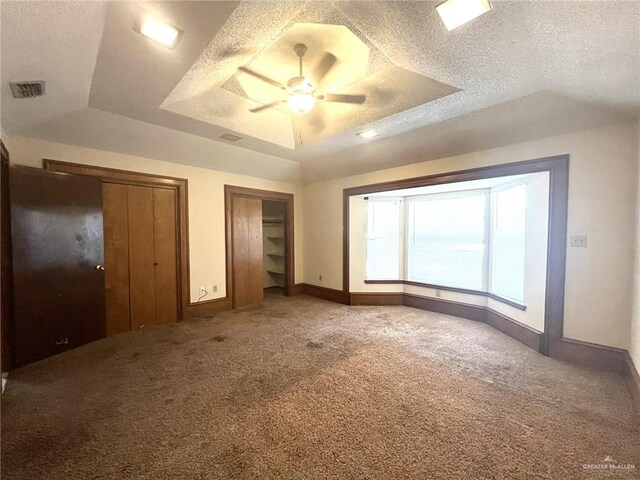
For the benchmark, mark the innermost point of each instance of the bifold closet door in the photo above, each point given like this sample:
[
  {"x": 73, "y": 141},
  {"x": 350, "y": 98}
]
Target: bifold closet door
[
  {"x": 166, "y": 262},
  {"x": 140, "y": 256},
  {"x": 116, "y": 256},
  {"x": 142, "y": 283},
  {"x": 247, "y": 251}
]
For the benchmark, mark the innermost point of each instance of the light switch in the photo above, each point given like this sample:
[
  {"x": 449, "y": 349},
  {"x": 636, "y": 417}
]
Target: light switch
[{"x": 578, "y": 240}]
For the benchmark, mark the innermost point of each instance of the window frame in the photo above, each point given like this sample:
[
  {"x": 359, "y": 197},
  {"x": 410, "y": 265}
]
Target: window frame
[{"x": 552, "y": 341}]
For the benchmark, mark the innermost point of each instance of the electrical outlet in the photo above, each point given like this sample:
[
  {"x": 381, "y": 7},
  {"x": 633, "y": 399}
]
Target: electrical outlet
[
  {"x": 320, "y": 277},
  {"x": 214, "y": 288},
  {"x": 578, "y": 240},
  {"x": 203, "y": 290}
]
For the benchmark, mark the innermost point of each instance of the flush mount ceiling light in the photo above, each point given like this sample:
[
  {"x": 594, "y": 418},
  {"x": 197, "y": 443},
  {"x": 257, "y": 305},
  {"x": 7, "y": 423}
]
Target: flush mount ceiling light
[
  {"x": 302, "y": 94},
  {"x": 368, "y": 134},
  {"x": 455, "y": 13},
  {"x": 157, "y": 30}
]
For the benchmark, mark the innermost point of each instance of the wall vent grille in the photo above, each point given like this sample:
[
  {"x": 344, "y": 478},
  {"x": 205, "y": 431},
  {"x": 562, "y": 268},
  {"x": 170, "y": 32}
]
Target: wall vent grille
[
  {"x": 229, "y": 137},
  {"x": 27, "y": 89}
]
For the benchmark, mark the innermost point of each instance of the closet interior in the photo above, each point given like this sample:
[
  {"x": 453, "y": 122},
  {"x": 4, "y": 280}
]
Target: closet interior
[{"x": 273, "y": 245}]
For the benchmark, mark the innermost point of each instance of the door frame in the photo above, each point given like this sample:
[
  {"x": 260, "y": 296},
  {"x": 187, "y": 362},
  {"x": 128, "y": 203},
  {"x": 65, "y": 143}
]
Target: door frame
[
  {"x": 7, "y": 326},
  {"x": 180, "y": 185},
  {"x": 232, "y": 191}
]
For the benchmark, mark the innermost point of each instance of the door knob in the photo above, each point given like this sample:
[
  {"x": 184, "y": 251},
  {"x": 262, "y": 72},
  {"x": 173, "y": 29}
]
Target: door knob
[{"x": 100, "y": 267}]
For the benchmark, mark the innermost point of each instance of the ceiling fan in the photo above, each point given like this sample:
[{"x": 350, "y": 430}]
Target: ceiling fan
[{"x": 302, "y": 95}]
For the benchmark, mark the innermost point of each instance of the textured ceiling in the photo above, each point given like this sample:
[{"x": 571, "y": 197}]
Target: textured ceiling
[
  {"x": 262, "y": 38},
  {"x": 524, "y": 70},
  {"x": 52, "y": 41}
]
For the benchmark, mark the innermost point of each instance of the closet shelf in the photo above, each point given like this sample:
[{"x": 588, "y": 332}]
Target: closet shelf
[
  {"x": 277, "y": 272},
  {"x": 272, "y": 220},
  {"x": 271, "y": 237},
  {"x": 277, "y": 254}
]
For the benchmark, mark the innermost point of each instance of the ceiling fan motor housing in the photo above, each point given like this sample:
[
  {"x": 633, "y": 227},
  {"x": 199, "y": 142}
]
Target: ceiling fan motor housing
[
  {"x": 300, "y": 49},
  {"x": 300, "y": 85}
]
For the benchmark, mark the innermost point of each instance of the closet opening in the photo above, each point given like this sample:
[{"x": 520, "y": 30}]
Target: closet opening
[{"x": 259, "y": 244}]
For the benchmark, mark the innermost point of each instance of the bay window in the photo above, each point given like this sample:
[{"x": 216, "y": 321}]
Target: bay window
[{"x": 471, "y": 239}]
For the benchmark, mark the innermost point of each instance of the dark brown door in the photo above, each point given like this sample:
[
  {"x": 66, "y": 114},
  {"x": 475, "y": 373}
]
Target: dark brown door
[
  {"x": 247, "y": 251},
  {"x": 57, "y": 240}
]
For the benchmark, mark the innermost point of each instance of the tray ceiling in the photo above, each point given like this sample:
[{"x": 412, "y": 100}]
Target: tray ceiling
[
  {"x": 215, "y": 92},
  {"x": 525, "y": 70}
]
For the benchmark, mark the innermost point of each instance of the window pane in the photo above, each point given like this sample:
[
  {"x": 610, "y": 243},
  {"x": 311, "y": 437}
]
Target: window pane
[
  {"x": 507, "y": 265},
  {"x": 447, "y": 241},
  {"x": 383, "y": 240}
]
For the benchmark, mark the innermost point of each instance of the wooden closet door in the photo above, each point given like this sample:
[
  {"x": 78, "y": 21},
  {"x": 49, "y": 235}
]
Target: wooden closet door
[
  {"x": 115, "y": 199},
  {"x": 247, "y": 251},
  {"x": 166, "y": 262},
  {"x": 142, "y": 288}
]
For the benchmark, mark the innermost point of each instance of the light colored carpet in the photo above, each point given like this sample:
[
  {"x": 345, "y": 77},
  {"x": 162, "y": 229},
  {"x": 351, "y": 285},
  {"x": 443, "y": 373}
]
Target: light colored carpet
[{"x": 302, "y": 388}]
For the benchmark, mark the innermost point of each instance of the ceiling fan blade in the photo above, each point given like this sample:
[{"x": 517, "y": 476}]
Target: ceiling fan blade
[
  {"x": 342, "y": 98},
  {"x": 259, "y": 76},
  {"x": 264, "y": 107},
  {"x": 328, "y": 60}
]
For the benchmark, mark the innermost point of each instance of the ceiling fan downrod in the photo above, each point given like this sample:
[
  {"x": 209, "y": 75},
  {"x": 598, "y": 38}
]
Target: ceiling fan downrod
[{"x": 300, "y": 49}]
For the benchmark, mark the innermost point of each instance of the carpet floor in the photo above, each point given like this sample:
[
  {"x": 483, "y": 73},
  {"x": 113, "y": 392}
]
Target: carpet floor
[{"x": 301, "y": 388}]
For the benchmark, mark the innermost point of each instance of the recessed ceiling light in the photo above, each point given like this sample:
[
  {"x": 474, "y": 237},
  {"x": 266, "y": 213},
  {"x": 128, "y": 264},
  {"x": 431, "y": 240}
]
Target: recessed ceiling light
[
  {"x": 230, "y": 137},
  {"x": 157, "y": 30},
  {"x": 368, "y": 134},
  {"x": 458, "y": 12}
]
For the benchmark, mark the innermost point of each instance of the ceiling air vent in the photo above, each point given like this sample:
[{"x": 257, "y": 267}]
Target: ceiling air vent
[
  {"x": 27, "y": 89},
  {"x": 229, "y": 137}
]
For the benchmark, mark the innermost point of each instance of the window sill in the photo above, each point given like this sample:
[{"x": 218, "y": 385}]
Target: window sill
[{"x": 468, "y": 291}]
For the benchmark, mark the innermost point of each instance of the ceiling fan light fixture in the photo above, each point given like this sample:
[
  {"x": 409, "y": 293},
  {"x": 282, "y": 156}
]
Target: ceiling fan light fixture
[
  {"x": 302, "y": 93},
  {"x": 455, "y": 13},
  {"x": 301, "y": 102}
]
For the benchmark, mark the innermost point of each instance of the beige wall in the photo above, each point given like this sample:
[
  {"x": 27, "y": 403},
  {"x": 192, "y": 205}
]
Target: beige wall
[
  {"x": 206, "y": 202},
  {"x": 603, "y": 188},
  {"x": 602, "y": 198},
  {"x": 634, "y": 343}
]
